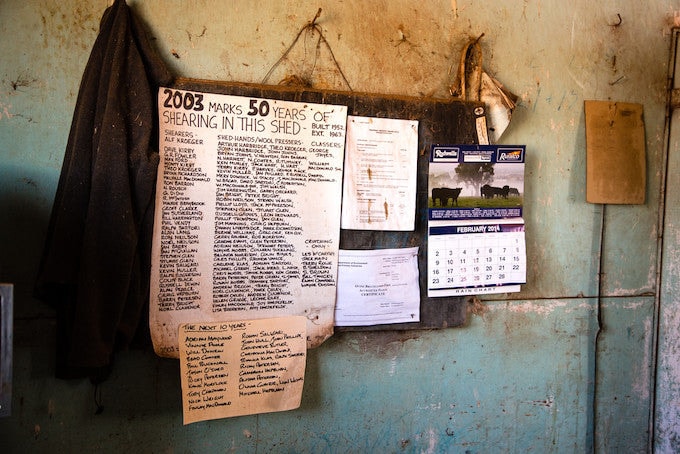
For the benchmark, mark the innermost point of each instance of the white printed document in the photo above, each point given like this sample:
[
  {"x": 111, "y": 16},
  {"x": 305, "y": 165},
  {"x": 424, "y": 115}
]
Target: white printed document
[
  {"x": 377, "y": 286},
  {"x": 379, "y": 189}
]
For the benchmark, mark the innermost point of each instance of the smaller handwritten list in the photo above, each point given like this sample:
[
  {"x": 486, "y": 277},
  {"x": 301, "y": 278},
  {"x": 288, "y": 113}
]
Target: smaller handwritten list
[{"x": 242, "y": 368}]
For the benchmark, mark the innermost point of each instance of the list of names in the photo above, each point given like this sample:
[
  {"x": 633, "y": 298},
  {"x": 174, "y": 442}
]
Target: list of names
[
  {"x": 239, "y": 368},
  {"x": 247, "y": 220}
]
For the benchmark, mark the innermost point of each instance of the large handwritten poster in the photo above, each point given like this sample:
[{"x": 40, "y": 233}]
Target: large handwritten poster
[{"x": 247, "y": 214}]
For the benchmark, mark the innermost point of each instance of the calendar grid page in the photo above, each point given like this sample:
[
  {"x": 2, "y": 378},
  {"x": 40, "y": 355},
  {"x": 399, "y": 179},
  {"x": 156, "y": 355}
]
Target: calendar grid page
[{"x": 468, "y": 258}]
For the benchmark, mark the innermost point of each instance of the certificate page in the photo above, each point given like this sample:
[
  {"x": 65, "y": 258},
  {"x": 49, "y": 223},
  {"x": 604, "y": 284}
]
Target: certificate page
[{"x": 378, "y": 286}]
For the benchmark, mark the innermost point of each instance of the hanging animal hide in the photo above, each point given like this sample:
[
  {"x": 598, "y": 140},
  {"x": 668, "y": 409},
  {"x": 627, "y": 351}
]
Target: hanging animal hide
[{"x": 474, "y": 84}]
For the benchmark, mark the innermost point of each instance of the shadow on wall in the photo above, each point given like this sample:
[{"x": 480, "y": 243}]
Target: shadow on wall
[
  {"x": 25, "y": 209},
  {"x": 577, "y": 194}
]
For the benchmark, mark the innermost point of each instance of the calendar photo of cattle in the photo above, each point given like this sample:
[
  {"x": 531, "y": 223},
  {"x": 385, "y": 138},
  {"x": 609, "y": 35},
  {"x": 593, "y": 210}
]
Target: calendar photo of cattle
[{"x": 476, "y": 181}]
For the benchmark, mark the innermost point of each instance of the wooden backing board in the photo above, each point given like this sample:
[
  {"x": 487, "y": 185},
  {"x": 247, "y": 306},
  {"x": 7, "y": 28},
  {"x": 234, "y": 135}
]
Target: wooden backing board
[
  {"x": 441, "y": 121},
  {"x": 615, "y": 153}
]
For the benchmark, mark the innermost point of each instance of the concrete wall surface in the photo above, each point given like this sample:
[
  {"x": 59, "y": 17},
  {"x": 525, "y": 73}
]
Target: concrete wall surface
[{"x": 528, "y": 373}]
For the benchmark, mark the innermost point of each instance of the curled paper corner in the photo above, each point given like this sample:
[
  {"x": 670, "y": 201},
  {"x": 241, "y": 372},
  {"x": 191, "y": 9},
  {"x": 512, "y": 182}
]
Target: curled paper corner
[{"x": 500, "y": 103}]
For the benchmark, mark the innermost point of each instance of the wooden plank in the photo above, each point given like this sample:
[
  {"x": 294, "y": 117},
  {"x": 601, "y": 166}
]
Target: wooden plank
[
  {"x": 615, "y": 143},
  {"x": 441, "y": 121}
]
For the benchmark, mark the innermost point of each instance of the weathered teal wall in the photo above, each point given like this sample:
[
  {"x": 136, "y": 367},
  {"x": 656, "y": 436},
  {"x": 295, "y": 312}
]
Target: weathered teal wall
[{"x": 528, "y": 373}]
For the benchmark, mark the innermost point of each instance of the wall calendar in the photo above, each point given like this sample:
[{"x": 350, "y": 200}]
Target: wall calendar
[{"x": 476, "y": 241}]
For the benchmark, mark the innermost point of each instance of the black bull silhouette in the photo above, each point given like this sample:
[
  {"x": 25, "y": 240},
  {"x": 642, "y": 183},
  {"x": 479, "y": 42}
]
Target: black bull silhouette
[
  {"x": 489, "y": 192},
  {"x": 444, "y": 194}
]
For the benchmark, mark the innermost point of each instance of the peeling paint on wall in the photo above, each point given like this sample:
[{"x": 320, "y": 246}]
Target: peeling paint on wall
[{"x": 5, "y": 111}]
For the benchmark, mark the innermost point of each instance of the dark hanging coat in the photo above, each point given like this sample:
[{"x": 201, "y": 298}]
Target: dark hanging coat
[{"x": 96, "y": 260}]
